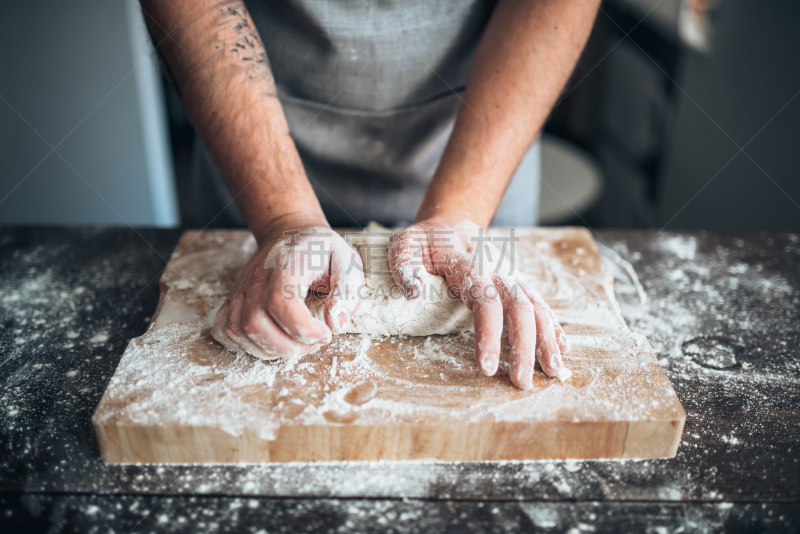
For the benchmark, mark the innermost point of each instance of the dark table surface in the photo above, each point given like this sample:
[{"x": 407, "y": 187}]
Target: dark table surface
[{"x": 722, "y": 313}]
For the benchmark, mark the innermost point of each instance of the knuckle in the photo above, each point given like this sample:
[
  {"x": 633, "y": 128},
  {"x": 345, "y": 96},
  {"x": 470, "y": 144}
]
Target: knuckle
[
  {"x": 276, "y": 301},
  {"x": 490, "y": 294},
  {"x": 254, "y": 325},
  {"x": 230, "y": 329},
  {"x": 541, "y": 311},
  {"x": 524, "y": 306},
  {"x": 230, "y": 333}
]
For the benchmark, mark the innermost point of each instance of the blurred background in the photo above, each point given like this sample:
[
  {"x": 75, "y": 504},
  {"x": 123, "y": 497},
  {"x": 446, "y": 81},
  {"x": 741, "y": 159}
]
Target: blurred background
[{"x": 681, "y": 114}]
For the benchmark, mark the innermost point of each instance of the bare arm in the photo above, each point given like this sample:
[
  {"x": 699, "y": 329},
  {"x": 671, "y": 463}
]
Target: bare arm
[
  {"x": 525, "y": 57},
  {"x": 523, "y": 61},
  {"x": 219, "y": 63},
  {"x": 216, "y": 56}
]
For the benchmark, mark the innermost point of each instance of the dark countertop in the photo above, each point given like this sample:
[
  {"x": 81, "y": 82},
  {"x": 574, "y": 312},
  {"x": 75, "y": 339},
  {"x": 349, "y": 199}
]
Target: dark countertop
[{"x": 723, "y": 315}]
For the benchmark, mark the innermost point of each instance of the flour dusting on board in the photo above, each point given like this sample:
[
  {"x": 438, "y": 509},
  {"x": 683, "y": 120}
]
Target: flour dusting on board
[
  {"x": 753, "y": 303},
  {"x": 177, "y": 374}
]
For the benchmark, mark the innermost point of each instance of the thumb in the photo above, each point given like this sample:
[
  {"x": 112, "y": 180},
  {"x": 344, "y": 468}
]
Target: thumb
[{"x": 407, "y": 261}]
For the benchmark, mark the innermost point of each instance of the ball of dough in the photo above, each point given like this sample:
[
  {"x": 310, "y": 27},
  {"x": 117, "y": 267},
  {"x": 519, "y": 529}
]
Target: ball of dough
[{"x": 384, "y": 311}]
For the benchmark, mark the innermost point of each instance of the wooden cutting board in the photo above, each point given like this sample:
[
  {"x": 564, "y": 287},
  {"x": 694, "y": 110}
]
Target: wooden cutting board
[{"x": 179, "y": 397}]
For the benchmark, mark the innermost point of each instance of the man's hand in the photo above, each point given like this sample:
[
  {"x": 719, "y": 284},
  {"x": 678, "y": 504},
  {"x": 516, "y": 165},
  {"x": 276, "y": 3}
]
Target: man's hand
[
  {"x": 491, "y": 289},
  {"x": 265, "y": 313},
  {"x": 523, "y": 61},
  {"x": 215, "y": 55}
]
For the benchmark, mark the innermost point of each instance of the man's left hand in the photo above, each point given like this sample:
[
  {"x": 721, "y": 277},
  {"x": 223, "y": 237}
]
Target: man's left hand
[{"x": 493, "y": 292}]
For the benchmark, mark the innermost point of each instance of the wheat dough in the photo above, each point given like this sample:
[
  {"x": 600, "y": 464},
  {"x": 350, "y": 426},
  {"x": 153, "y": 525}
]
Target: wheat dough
[{"x": 384, "y": 311}]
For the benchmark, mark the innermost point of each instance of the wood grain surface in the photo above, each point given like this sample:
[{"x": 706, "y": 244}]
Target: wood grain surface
[{"x": 178, "y": 397}]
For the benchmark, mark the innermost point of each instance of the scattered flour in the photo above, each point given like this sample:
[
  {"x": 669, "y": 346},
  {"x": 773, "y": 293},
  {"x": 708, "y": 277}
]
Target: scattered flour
[
  {"x": 176, "y": 373},
  {"x": 747, "y": 301}
]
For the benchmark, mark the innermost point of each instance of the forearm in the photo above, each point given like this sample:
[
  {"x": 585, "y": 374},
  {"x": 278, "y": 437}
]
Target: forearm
[
  {"x": 524, "y": 59},
  {"x": 221, "y": 68}
]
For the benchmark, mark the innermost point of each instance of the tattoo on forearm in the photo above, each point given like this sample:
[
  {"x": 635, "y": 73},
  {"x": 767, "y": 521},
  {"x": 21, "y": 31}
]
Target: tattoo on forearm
[{"x": 239, "y": 43}]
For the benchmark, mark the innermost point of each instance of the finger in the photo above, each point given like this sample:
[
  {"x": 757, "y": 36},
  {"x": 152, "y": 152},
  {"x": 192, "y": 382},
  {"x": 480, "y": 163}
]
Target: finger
[
  {"x": 521, "y": 325},
  {"x": 535, "y": 296},
  {"x": 284, "y": 298},
  {"x": 218, "y": 330},
  {"x": 407, "y": 261},
  {"x": 345, "y": 278},
  {"x": 561, "y": 337},
  {"x": 232, "y": 330},
  {"x": 547, "y": 351},
  {"x": 259, "y": 329},
  {"x": 481, "y": 297}
]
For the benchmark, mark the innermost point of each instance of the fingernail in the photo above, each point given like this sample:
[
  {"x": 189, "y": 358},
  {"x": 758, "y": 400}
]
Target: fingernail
[
  {"x": 342, "y": 319},
  {"x": 562, "y": 339},
  {"x": 525, "y": 377},
  {"x": 557, "y": 369},
  {"x": 412, "y": 292},
  {"x": 550, "y": 361},
  {"x": 564, "y": 374},
  {"x": 489, "y": 364}
]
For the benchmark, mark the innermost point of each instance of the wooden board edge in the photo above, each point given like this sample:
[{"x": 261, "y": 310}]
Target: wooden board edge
[
  {"x": 107, "y": 411},
  {"x": 122, "y": 443},
  {"x": 655, "y": 438},
  {"x": 638, "y": 437},
  {"x": 105, "y": 441}
]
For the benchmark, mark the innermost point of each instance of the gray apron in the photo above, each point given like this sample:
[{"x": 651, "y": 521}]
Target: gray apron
[{"x": 370, "y": 91}]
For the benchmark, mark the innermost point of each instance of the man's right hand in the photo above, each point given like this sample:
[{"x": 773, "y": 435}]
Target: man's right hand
[
  {"x": 216, "y": 57},
  {"x": 265, "y": 313}
]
